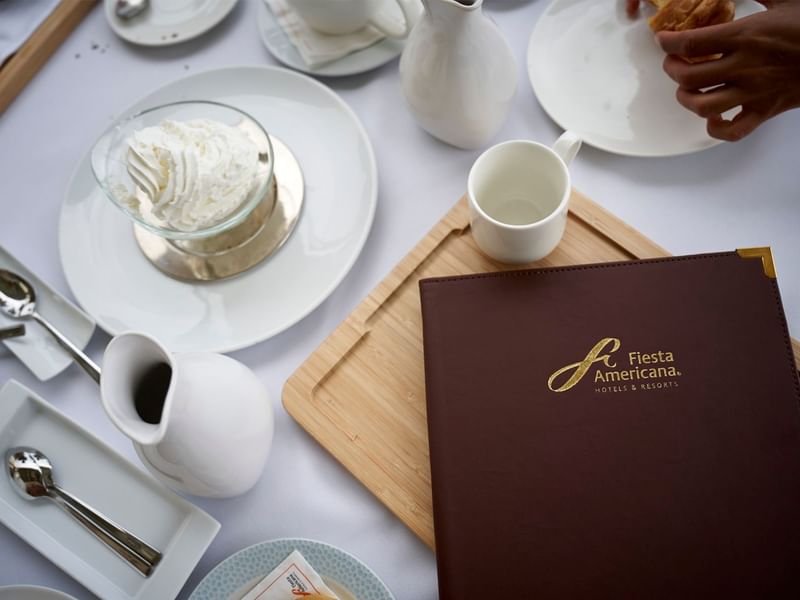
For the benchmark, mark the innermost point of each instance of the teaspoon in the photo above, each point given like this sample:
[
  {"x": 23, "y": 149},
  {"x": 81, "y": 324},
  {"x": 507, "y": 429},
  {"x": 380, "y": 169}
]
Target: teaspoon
[
  {"x": 18, "y": 300},
  {"x": 31, "y": 475},
  {"x": 127, "y": 9}
]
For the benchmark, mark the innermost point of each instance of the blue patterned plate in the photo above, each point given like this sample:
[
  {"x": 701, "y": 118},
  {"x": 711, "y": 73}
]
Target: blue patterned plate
[{"x": 342, "y": 572}]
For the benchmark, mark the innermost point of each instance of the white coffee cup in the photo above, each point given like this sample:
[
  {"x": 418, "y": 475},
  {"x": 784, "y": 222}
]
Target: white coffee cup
[
  {"x": 337, "y": 17},
  {"x": 518, "y": 193}
]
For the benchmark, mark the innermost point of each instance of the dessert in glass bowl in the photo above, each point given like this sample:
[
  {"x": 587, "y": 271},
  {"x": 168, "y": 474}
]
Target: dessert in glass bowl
[{"x": 196, "y": 178}]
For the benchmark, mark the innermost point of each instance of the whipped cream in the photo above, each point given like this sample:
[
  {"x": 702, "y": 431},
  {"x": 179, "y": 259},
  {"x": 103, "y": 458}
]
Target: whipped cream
[{"x": 191, "y": 174}]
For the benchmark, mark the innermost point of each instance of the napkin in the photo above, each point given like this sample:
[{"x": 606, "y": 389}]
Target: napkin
[
  {"x": 319, "y": 48},
  {"x": 18, "y": 20},
  {"x": 293, "y": 578}
]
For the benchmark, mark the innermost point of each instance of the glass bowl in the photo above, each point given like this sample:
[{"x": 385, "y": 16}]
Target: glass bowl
[{"x": 110, "y": 165}]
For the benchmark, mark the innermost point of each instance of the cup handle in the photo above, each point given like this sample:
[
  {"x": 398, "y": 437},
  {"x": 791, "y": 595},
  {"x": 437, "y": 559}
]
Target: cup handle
[
  {"x": 567, "y": 146},
  {"x": 389, "y": 26}
]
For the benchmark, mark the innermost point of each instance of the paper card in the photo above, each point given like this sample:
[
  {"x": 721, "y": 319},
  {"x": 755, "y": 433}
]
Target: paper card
[{"x": 293, "y": 579}]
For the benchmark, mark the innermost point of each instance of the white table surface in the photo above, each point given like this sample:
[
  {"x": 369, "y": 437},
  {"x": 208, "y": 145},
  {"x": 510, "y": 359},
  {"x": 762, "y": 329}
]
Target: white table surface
[{"x": 734, "y": 195}]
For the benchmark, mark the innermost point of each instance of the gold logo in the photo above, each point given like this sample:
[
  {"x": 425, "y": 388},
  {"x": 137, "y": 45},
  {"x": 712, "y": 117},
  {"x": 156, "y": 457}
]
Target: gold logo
[{"x": 580, "y": 368}]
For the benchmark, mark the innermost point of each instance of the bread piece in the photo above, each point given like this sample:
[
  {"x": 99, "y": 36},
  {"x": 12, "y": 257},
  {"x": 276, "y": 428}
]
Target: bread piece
[{"x": 680, "y": 15}]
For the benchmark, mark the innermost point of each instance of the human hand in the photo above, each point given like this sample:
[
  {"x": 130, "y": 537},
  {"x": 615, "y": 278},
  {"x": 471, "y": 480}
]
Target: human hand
[
  {"x": 759, "y": 69},
  {"x": 631, "y": 7}
]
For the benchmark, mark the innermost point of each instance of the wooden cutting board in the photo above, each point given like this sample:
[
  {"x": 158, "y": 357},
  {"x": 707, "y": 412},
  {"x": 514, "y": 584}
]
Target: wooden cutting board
[
  {"x": 361, "y": 394},
  {"x": 18, "y": 70}
]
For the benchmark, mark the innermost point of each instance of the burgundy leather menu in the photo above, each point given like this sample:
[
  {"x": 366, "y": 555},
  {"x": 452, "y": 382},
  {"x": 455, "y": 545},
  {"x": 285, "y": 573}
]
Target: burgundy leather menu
[{"x": 614, "y": 431}]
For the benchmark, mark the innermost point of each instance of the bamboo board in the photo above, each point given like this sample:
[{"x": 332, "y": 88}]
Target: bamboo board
[
  {"x": 361, "y": 394},
  {"x": 18, "y": 70}
]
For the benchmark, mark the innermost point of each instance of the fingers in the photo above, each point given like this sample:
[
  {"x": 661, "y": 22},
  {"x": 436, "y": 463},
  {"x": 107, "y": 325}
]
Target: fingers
[
  {"x": 704, "y": 41},
  {"x": 713, "y": 102},
  {"x": 698, "y": 75},
  {"x": 740, "y": 126}
]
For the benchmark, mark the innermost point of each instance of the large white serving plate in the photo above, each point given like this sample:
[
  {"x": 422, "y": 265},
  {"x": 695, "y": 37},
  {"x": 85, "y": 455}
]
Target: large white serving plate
[
  {"x": 115, "y": 284},
  {"x": 597, "y": 72},
  {"x": 92, "y": 471}
]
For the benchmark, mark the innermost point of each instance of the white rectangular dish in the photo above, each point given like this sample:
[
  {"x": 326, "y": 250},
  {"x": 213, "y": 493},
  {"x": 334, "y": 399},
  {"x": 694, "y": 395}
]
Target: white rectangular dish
[
  {"x": 95, "y": 473},
  {"x": 37, "y": 349}
]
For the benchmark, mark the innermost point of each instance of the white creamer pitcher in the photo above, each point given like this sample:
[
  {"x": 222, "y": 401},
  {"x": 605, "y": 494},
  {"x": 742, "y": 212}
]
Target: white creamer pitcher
[
  {"x": 200, "y": 422},
  {"x": 458, "y": 73}
]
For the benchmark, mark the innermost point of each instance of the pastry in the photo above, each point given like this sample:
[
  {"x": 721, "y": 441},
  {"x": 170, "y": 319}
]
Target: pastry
[{"x": 680, "y": 15}]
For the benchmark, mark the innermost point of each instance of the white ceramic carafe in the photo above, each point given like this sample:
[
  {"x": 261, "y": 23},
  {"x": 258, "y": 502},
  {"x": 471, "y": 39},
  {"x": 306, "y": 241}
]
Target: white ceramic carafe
[
  {"x": 216, "y": 423},
  {"x": 458, "y": 73}
]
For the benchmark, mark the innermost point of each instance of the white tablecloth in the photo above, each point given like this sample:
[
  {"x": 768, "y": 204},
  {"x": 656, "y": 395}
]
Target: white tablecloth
[{"x": 734, "y": 195}]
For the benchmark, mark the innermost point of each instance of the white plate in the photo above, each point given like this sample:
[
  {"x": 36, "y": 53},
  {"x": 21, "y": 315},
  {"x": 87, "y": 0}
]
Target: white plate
[
  {"x": 598, "y": 73},
  {"x": 348, "y": 577},
  {"x": 115, "y": 283},
  {"x": 92, "y": 471},
  {"x": 279, "y": 45},
  {"x": 32, "y": 592},
  {"x": 37, "y": 349},
  {"x": 167, "y": 22}
]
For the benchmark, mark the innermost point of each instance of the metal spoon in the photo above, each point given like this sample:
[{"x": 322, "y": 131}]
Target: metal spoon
[
  {"x": 127, "y": 9},
  {"x": 18, "y": 300},
  {"x": 31, "y": 475}
]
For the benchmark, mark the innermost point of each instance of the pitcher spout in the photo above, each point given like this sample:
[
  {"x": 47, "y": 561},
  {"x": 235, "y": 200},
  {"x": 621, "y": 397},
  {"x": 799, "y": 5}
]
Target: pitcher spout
[
  {"x": 137, "y": 387},
  {"x": 451, "y": 9}
]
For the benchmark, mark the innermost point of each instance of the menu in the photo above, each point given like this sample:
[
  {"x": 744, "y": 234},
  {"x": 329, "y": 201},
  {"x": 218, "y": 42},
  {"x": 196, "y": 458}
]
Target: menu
[{"x": 619, "y": 430}]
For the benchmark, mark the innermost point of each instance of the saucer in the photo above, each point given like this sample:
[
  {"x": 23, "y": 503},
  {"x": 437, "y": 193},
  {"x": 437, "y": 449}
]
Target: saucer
[
  {"x": 597, "y": 72},
  {"x": 347, "y": 576},
  {"x": 166, "y": 23},
  {"x": 122, "y": 290},
  {"x": 32, "y": 592},
  {"x": 279, "y": 45}
]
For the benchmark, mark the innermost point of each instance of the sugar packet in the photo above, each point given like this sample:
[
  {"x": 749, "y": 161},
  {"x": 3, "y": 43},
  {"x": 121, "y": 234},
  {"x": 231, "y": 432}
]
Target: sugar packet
[{"x": 293, "y": 579}]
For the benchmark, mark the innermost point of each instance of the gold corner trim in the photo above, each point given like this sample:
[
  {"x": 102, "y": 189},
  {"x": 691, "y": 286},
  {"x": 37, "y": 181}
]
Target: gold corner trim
[{"x": 765, "y": 254}]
